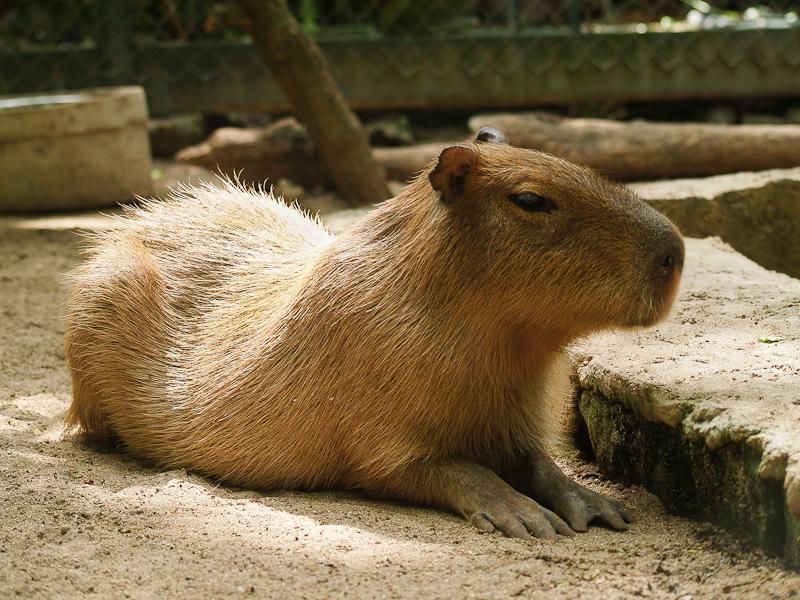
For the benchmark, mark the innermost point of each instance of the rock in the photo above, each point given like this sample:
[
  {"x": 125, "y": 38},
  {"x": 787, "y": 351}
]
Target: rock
[
  {"x": 170, "y": 134},
  {"x": 698, "y": 409},
  {"x": 280, "y": 150},
  {"x": 392, "y": 129},
  {"x": 756, "y": 213}
]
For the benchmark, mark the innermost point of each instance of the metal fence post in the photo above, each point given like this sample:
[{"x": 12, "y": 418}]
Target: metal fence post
[
  {"x": 114, "y": 41},
  {"x": 513, "y": 15},
  {"x": 575, "y": 15}
]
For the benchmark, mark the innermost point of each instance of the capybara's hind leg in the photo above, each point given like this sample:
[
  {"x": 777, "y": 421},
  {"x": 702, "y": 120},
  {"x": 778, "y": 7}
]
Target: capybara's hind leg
[
  {"x": 114, "y": 323},
  {"x": 84, "y": 412}
]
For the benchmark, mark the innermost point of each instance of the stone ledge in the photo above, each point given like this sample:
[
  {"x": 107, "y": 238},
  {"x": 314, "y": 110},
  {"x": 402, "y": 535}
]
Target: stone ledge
[{"x": 705, "y": 409}]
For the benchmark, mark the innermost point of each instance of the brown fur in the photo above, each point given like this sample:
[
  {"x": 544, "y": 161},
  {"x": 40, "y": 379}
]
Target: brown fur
[{"x": 225, "y": 332}]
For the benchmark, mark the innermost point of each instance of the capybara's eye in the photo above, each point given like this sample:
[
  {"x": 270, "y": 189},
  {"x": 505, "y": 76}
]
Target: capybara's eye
[{"x": 532, "y": 202}]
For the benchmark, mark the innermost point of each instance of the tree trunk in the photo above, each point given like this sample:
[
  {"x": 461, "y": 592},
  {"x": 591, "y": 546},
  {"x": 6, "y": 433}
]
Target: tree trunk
[
  {"x": 299, "y": 67},
  {"x": 635, "y": 150}
]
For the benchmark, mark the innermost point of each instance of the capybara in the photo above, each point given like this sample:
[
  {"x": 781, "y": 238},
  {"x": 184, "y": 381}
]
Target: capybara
[{"x": 420, "y": 356}]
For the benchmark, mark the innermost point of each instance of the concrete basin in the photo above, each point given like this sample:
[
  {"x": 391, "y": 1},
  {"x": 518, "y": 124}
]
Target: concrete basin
[{"x": 73, "y": 150}]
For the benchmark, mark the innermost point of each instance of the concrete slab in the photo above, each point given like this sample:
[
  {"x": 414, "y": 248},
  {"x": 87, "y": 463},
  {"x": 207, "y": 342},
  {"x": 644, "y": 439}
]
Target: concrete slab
[{"x": 704, "y": 410}]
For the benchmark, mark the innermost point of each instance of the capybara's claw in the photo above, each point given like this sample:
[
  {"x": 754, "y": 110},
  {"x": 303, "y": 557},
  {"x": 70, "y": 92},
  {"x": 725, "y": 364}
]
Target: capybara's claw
[
  {"x": 581, "y": 506},
  {"x": 574, "y": 503},
  {"x": 520, "y": 517}
]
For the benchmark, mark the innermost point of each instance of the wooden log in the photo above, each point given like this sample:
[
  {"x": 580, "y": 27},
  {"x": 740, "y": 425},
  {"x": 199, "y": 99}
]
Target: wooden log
[
  {"x": 256, "y": 155},
  {"x": 283, "y": 149},
  {"x": 640, "y": 150},
  {"x": 404, "y": 162},
  {"x": 299, "y": 67}
]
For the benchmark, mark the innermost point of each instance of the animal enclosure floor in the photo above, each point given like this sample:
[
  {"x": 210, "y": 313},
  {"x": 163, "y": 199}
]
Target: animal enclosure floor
[{"x": 76, "y": 523}]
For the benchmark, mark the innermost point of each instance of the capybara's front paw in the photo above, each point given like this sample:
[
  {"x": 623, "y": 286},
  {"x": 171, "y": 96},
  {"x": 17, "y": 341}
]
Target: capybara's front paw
[
  {"x": 578, "y": 506},
  {"x": 518, "y": 516},
  {"x": 574, "y": 503}
]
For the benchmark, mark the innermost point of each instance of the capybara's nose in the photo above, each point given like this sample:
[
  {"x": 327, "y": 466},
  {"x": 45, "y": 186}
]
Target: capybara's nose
[{"x": 669, "y": 255}]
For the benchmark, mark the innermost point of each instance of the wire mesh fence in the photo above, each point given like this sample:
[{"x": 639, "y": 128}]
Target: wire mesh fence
[{"x": 196, "y": 54}]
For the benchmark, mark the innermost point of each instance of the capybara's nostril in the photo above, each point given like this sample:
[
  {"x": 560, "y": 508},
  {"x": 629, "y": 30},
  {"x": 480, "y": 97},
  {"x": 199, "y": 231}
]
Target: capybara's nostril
[{"x": 670, "y": 259}]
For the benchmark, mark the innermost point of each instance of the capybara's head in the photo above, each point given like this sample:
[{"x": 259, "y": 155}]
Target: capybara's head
[{"x": 562, "y": 246}]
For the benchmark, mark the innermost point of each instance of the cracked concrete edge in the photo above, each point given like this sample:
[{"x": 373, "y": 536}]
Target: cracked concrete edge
[
  {"x": 706, "y": 430},
  {"x": 708, "y": 188}
]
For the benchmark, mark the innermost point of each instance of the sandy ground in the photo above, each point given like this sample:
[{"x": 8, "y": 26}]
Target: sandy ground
[{"x": 77, "y": 523}]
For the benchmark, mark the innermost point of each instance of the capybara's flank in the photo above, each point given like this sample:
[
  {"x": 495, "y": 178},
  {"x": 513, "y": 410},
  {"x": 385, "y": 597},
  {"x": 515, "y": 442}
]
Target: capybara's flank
[{"x": 419, "y": 356}]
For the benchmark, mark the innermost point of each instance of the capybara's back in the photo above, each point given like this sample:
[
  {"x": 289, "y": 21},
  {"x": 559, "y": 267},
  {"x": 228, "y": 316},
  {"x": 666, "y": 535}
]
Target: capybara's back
[
  {"x": 170, "y": 282},
  {"x": 418, "y": 356}
]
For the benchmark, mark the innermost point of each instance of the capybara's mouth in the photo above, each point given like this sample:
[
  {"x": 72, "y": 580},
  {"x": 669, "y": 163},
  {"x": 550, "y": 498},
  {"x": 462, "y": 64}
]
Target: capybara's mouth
[{"x": 657, "y": 305}]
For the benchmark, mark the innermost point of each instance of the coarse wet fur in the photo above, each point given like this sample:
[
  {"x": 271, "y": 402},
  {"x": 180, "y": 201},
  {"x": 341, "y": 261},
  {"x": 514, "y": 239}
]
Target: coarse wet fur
[{"x": 420, "y": 356}]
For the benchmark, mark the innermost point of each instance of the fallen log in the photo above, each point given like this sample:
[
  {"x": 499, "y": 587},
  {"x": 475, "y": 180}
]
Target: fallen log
[
  {"x": 641, "y": 150},
  {"x": 284, "y": 150},
  {"x": 403, "y": 162},
  {"x": 624, "y": 150}
]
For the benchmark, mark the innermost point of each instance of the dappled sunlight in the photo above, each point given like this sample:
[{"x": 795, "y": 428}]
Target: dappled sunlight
[
  {"x": 37, "y": 458},
  {"x": 89, "y": 220},
  {"x": 254, "y": 522},
  {"x": 42, "y": 405},
  {"x": 8, "y": 423}
]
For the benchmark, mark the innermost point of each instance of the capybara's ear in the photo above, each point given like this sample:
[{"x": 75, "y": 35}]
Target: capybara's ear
[
  {"x": 450, "y": 172},
  {"x": 491, "y": 135}
]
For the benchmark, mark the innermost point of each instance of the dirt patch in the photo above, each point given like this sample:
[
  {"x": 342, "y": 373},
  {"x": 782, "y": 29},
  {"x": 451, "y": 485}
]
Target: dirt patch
[{"x": 78, "y": 523}]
